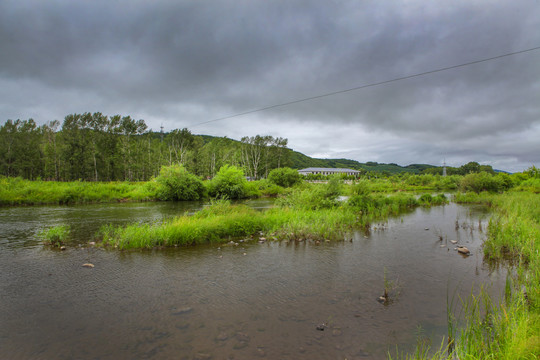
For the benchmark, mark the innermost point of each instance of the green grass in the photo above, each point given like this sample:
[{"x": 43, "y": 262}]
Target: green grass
[
  {"x": 228, "y": 222},
  {"x": 293, "y": 219},
  {"x": 56, "y": 236},
  {"x": 16, "y": 191}
]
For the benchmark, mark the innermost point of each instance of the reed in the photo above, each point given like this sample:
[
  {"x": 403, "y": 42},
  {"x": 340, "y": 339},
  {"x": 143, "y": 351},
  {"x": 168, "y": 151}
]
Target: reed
[{"x": 295, "y": 218}]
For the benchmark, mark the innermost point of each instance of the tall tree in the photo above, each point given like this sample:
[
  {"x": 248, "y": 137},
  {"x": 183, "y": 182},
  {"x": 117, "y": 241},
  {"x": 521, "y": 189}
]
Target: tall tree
[{"x": 50, "y": 150}]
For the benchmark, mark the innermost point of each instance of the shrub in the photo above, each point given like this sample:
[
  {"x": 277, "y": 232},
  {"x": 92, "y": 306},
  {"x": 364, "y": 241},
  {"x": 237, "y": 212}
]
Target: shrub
[
  {"x": 482, "y": 181},
  {"x": 176, "y": 183},
  {"x": 360, "y": 188},
  {"x": 229, "y": 183},
  {"x": 285, "y": 177},
  {"x": 333, "y": 188},
  {"x": 313, "y": 197}
]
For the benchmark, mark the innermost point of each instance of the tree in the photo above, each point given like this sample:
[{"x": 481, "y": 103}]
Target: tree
[
  {"x": 51, "y": 153},
  {"x": 179, "y": 141},
  {"x": 130, "y": 128}
]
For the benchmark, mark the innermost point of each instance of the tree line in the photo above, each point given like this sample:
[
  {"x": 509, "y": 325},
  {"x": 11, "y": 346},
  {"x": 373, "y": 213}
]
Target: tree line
[{"x": 97, "y": 147}]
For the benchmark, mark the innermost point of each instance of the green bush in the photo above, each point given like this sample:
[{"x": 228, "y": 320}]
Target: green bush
[
  {"x": 285, "y": 177},
  {"x": 268, "y": 188},
  {"x": 482, "y": 181},
  {"x": 176, "y": 183},
  {"x": 230, "y": 183},
  {"x": 313, "y": 197},
  {"x": 333, "y": 188}
]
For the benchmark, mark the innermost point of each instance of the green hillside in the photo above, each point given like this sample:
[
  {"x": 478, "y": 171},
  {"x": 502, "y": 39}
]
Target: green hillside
[{"x": 300, "y": 161}]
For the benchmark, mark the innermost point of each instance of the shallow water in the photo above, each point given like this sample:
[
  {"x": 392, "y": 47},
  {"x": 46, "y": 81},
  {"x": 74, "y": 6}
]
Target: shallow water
[{"x": 231, "y": 302}]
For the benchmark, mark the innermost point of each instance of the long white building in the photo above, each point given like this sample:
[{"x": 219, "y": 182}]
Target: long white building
[{"x": 329, "y": 171}]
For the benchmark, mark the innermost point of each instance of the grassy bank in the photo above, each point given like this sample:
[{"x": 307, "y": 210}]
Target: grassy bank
[
  {"x": 175, "y": 183},
  {"x": 16, "y": 191},
  {"x": 509, "y": 328}
]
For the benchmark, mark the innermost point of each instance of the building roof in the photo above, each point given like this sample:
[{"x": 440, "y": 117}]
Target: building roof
[{"x": 341, "y": 170}]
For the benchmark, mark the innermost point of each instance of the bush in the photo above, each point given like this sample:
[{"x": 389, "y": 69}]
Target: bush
[
  {"x": 229, "y": 183},
  {"x": 482, "y": 181},
  {"x": 361, "y": 188},
  {"x": 176, "y": 183},
  {"x": 285, "y": 177},
  {"x": 313, "y": 197},
  {"x": 333, "y": 188},
  {"x": 268, "y": 188}
]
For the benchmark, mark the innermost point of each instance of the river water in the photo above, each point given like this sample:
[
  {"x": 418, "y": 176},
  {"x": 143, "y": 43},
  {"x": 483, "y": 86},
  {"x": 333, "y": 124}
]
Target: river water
[{"x": 232, "y": 302}]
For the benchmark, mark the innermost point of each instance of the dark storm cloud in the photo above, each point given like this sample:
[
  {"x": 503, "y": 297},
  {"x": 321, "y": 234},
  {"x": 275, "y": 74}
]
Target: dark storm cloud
[{"x": 185, "y": 62}]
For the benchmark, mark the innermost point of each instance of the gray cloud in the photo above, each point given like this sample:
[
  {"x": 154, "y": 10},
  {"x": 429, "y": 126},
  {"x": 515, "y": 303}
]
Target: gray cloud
[{"x": 183, "y": 62}]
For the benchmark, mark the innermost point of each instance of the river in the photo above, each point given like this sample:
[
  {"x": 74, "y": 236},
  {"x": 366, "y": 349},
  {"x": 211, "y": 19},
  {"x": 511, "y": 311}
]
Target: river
[{"x": 232, "y": 302}]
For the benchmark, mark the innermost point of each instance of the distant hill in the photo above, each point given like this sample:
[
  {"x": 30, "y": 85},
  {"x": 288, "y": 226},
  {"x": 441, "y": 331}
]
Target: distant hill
[{"x": 298, "y": 160}]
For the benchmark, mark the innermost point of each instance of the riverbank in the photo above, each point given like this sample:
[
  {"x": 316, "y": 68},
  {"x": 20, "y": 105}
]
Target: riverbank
[
  {"x": 16, "y": 191},
  {"x": 509, "y": 328}
]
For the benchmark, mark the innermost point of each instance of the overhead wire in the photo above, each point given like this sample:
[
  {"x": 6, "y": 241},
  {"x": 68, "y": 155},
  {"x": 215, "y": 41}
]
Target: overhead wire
[{"x": 366, "y": 86}]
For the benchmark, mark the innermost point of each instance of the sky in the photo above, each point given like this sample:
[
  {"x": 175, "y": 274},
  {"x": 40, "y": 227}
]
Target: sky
[{"x": 182, "y": 64}]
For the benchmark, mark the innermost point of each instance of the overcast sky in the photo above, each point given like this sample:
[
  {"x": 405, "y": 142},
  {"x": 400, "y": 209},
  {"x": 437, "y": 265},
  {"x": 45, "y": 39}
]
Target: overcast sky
[{"x": 181, "y": 63}]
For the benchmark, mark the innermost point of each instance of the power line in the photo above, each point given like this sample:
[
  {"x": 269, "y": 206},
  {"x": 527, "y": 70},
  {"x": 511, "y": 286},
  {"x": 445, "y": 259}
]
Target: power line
[{"x": 365, "y": 86}]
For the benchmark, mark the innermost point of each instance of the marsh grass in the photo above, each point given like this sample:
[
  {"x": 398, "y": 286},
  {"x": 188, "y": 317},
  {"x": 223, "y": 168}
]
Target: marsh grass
[
  {"x": 56, "y": 236},
  {"x": 224, "y": 222},
  {"x": 295, "y": 218}
]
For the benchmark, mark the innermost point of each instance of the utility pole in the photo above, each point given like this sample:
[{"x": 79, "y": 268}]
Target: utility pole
[{"x": 444, "y": 168}]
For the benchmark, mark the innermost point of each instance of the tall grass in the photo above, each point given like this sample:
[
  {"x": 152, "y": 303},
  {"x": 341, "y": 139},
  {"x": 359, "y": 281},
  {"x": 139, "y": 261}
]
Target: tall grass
[
  {"x": 16, "y": 191},
  {"x": 309, "y": 214},
  {"x": 56, "y": 236},
  {"x": 222, "y": 223}
]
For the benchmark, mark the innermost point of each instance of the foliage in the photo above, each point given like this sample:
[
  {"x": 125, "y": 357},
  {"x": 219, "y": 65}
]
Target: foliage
[
  {"x": 229, "y": 183},
  {"x": 56, "y": 236},
  {"x": 429, "y": 200},
  {"x": 176, "y": 183},
  {"x": 296, "y": 218},
  {"x": 270, "y": 189},
  {"x": 483, "y": 181},
  {"x": 17, "y": 191},
  {"x": 285, "y": 177},
  {"x": 97, "y": 147}
]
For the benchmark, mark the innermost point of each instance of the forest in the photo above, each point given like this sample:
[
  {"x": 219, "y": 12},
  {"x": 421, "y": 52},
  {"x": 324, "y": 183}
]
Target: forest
[{"x": 96, "y": 147}]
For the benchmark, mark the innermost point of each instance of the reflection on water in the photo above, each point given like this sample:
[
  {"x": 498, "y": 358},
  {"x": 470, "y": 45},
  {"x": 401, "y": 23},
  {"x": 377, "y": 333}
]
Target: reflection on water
[{"x": 211, "y": 302}]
